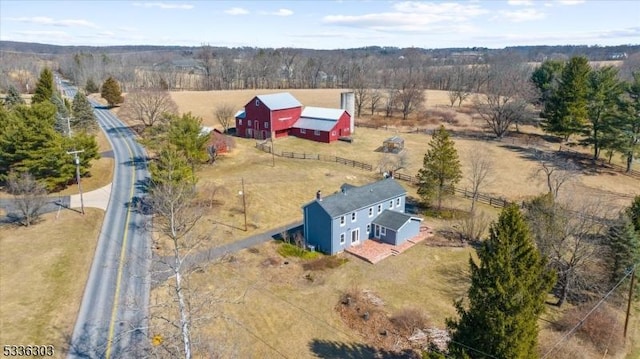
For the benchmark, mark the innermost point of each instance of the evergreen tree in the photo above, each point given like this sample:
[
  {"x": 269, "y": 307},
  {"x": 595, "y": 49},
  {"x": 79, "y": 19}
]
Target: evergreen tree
[
  {"x": 44, "y": 87},
  {"x": 170, "y": 169},
  {"x": 440, "y": 170},
  {"x": 546, "y": 78},
  {"x": 624, "y": 242},
  {"x": 13, "y": 97},
  {"x": 84, "y": 118},
  {"x": 63, "y": 115},
  {"x": 603, "y": 97},
  {"x": 633, "y": 212},
  {"x": 628, "y": 122},
  {"x": 566, "y": 111},
  {"x": 91, "y": 86},
  {"x": 111, "y": 92},
  {"x": 506, "y": 297},
  {"x": 185, "y": 134}
]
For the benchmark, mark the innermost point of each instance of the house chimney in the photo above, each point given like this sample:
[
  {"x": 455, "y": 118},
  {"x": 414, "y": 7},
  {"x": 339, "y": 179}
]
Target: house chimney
[
  {"x": 343, "y": 190},
  {"x": 319, "y": 195}
]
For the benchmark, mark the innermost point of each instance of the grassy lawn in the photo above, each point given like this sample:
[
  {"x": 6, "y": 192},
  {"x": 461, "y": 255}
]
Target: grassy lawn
[
  {"x": 43, "y": 270},
  {"x": 270, "y": 307}
]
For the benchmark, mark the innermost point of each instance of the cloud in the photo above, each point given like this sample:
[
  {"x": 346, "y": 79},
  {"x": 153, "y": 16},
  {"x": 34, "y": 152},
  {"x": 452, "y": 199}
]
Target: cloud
[
  {"x": 522, "y": 15},
  {"x": 283, "y": 12},
  {"x": 43, "y": 20},
  {"x": 520, "y": 2},
  {"x": 411, "y": 16},
  {"x": 236, "y": 11},
  {"x": 164, "y": 5},
  {"x": 570, "y": 2}
]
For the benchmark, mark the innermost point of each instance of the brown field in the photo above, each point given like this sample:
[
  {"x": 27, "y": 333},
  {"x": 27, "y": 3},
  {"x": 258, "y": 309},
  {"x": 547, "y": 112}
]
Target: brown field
[{"x": 42, "y": 277}]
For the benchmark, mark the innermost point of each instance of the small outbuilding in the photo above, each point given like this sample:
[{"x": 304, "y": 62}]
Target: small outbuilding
[{"x": 393, "y": 144}]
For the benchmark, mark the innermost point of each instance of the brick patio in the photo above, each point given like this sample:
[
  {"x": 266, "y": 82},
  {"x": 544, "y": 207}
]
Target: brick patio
[{"x": 374, "y": 251}]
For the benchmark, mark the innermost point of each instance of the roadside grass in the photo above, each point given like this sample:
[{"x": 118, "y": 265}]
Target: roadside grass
[
  {"x": 43, "y": 272},
  {"x": 101, "y": 170}
]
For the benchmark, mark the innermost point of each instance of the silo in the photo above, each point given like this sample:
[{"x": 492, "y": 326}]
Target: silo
[{"x": 348, "y": 103}]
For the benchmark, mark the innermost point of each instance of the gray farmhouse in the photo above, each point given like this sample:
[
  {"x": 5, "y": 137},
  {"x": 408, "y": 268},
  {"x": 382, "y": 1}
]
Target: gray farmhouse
[{"x": 375, "y": 211}]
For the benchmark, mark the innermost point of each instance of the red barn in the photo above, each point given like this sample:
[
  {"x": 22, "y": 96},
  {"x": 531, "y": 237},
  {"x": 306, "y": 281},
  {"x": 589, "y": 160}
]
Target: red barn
[{"x": 281, "y": 114}]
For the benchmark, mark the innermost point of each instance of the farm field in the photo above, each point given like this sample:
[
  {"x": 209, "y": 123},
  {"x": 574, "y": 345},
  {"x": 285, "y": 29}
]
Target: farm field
[{"x": 43, "y": 271}]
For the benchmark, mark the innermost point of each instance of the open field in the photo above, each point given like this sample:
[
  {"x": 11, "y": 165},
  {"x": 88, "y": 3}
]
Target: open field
[{"x": 43, "y": 271}]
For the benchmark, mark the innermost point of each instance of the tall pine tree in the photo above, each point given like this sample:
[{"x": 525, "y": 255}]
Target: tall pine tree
[
  {"x": 440, "y": 170},
  {"x": 566, "y": 111},
  {"x": 507, "y": 294},
  {"x": 13, "y": 97},
  {"x": 84, "y": 119},
  {"x": 111, "y": 92},
  {"x": 44, "y": 87}
]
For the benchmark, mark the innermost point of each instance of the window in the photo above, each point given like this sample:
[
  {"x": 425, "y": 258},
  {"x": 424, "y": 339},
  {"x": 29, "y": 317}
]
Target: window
[
  {"x": 353, "y": 217},
  {"x": 342, "y": 220},
  {"x": 316, "y": 132},
  {"x": 302, "y": 130},
  {"x": 333, "y": 133},
  {"x": 249, "y": 123},
  {"x": 391, "y": 204},
  {"x": 383, "y": 231},
  {"x": 397, "y": 202},
  {"x": 240, "y": 122},
  {"x": 370, "y": 211},
  {"x": 379, "y": 208},
  {"x": 266, "y": 125},
  {"x": 257, "y": 102},
  {"x": 341, "y": 238},
  {"x": 369, "y": 228},
  {"x": 355, "y": 235}
]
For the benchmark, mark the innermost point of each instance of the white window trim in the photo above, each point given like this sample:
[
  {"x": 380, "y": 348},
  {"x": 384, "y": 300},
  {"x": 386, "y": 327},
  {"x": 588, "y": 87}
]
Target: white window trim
[
  {"x": 369, "y": 228},
  {"x": 316, "y": 132},
  {"x": 257, "y": 102},
  {"x": 379, "y": 208},
  {"x": 383, "y": 231},
  {"x": 357, "y": 238},
  {"x": 370, "y": 211},
  {"x": 239, "y": 122},
  {"x": 333, "y": 133},
  {"x": 354, "y": 217},
  {"x": 249, "y": 123},
  {"x": 391, "y": 204},
  {"x": 266, "y": 125},
  {"x": 302, "y": 130},
  {"x": 342, "y": 221},
  {"x": 342, "y": 238},
  {"x": 398, "y": 202}
]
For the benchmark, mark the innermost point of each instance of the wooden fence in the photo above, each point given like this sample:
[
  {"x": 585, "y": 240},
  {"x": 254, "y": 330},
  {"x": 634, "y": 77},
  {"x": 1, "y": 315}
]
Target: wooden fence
[
  {"x": 617, "y": 168},
  {"x": 312, "y": 156}
]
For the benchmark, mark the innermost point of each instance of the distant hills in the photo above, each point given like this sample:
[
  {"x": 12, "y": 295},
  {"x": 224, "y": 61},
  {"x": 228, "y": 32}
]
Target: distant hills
[{"x": 529, "y": 53}]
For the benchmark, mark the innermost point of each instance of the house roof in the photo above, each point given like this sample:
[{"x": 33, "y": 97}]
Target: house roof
[
  {"x": 392, "y": 219},
  {"x": 354, "y": 198},
  {"x": 318, "y": 118},
  {"x": 240, "y": 114},
  {"x": 279, "y": 101}
]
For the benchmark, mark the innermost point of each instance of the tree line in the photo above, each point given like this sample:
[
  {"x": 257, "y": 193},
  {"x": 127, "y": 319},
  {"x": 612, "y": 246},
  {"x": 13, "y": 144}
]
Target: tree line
[{"x": 35, "y": 140}]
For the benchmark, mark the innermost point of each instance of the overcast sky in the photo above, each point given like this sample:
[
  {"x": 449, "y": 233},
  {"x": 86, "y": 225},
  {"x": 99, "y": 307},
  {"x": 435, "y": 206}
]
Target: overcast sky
[{"x": 323, "y": 24}]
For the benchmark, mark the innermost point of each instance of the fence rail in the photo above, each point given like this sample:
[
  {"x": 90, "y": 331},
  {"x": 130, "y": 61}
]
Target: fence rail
[{"x": 312, "y": 156}]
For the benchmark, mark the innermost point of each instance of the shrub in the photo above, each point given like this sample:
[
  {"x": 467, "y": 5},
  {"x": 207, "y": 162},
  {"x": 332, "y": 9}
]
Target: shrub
[
  {"x": 327, "y": 262},
  {"x": 290, "y": 250},
  {"x": 409, "y": 319},
  {"x": 601, "y": 328}
]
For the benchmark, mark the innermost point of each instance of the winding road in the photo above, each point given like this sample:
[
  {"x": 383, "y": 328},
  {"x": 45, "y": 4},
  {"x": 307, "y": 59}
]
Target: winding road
[{"x": 113, "y": 317}]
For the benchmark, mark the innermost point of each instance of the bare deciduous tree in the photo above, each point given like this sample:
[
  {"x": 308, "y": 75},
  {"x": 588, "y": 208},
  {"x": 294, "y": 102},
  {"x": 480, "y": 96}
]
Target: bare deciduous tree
[
  {"x": 410, "y": 97},
  {"x": 148, "y": 106},
  {"x": 509, "y": 91},
  {"x": 224, "y": 114},
  {"x": 569, "y": 235},
  {"x": 473, "y": 227},
  {"x": 557, "y": 171},
  {"x": 480, "y": 167},
  {"x": 374, "y": 99},
  {"x": 29, "y": 196}
]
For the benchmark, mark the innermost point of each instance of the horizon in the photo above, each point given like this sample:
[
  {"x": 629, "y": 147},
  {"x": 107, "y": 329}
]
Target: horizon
[{"x": 323, "y": 25}]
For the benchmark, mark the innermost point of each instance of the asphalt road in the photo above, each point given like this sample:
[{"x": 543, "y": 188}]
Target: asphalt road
[{"x": 113, "y": 317}]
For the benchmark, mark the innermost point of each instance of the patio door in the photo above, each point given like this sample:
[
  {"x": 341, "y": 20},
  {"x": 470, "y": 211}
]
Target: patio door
[
  {"x": 377, "y": 232},
  {"x": 355, "y": 236}
]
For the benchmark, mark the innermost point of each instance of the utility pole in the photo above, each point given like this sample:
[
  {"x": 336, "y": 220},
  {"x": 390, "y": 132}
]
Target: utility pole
[
  {"x": 626, "y": 320},
  {"x": 77, "y": 161},
  {"x": 244, "y": 205}
]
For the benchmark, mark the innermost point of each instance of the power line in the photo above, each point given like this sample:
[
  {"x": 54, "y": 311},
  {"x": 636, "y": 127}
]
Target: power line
[{"x": 581, "y": 321}]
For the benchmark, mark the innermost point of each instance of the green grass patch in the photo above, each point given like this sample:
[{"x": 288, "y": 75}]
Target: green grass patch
[
  {"x": 291, "y": 250},
  {"x": 324, "y": 262}
]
